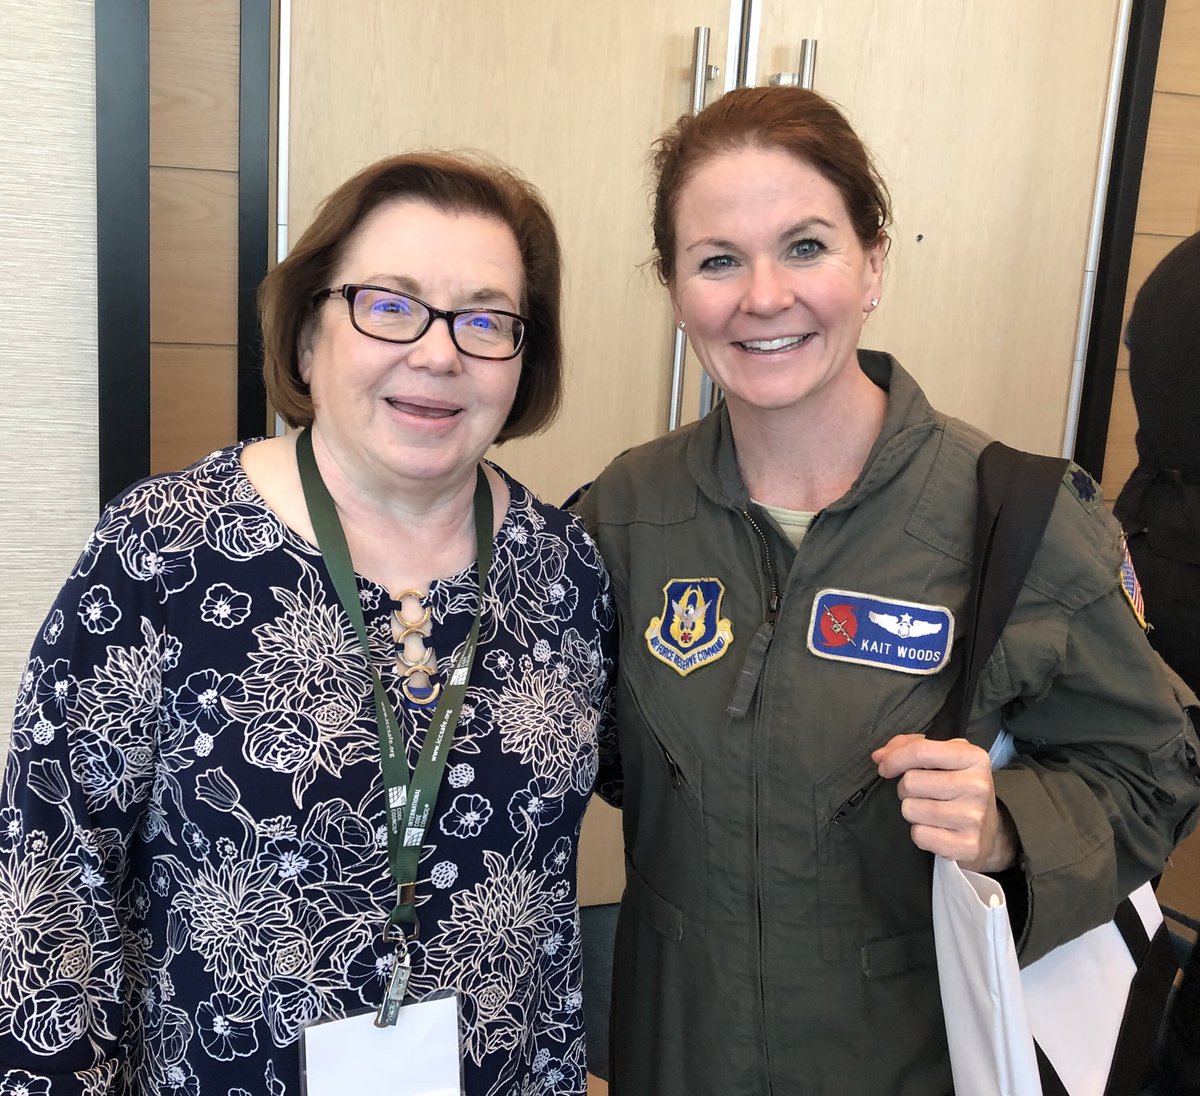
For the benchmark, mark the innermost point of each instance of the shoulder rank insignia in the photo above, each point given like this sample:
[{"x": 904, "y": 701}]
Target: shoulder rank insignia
[
  {"x": 1085, "y": 489},
  {"x": 892, "y": 635},
  {"x": 690, "y": 632},
  {"x": 1132, "y": 589}
]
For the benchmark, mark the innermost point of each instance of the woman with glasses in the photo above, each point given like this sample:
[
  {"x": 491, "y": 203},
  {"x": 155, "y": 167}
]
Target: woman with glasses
[
  {"x": 789, "y": 573},
  {"x": 310, "y": 729}
]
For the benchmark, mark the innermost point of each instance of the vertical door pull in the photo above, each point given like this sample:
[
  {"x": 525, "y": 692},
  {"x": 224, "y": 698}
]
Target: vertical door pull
[
  {"x": 808, "y": 68},
  {"x": 702, "y": 72}
]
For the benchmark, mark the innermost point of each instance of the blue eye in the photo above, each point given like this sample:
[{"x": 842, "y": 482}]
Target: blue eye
[
  {"x": 483, "y": 321},
  {"x": 807, "y": 249},
  {"x": 391, "y": 306},
  {"x": 718, "y": 262}
]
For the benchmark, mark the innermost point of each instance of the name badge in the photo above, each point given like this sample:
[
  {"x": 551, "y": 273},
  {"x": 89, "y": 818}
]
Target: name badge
[
  {"x": 906, "y": 636},
  {"x": 418, "y": 1056}
]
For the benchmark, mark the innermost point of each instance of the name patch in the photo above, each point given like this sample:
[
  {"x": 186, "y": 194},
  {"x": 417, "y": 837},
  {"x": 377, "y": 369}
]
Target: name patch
[
  {"x": 907, "y": 636},
  {"x": 691, "y": 632}
]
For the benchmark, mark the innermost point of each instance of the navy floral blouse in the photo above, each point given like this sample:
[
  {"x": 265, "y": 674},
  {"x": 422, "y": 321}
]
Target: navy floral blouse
[{"x": 192, "y": 843}]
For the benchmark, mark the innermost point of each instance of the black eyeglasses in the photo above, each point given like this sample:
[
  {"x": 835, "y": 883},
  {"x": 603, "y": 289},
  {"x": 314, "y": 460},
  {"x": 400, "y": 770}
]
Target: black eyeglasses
[{"x": 395, "y": 317}]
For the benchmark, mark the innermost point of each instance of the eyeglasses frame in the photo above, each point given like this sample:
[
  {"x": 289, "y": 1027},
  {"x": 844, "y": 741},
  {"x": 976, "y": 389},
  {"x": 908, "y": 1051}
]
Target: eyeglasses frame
[{"x": 350, "y": 290}]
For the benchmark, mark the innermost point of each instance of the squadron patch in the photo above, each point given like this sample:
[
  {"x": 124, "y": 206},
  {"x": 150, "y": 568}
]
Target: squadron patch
[
  {"x": 690, "y": 632},
  {"x": 1132, "y": 589},
  {"x": 893, "y": 635}
]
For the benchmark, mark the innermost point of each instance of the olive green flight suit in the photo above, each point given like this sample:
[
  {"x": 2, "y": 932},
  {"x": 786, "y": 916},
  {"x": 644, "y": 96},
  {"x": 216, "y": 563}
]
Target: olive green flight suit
[{"x": 775, "y": 935}]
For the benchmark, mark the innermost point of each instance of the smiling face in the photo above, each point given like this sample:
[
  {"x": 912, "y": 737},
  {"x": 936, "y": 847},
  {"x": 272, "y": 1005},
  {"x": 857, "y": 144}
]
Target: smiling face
[
  {"x": 392, "y": 414},
  {"x": 771, "y": 280}
]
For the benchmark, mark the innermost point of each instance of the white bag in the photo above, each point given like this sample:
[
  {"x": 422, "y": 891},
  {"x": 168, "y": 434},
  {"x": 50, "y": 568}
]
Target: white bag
[{"x": 1072, "y": 1001}]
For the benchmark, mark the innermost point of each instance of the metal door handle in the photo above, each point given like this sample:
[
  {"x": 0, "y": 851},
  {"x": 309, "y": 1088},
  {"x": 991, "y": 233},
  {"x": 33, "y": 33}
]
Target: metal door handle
[
  {"x": 808, "y": 68},
  {"x": 702, "y": 72}
]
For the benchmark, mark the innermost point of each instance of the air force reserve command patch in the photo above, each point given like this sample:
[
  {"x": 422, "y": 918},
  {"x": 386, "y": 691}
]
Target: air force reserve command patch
[
  {"x": 690, "y": 632},
  {"x": 883, "y": 632}
]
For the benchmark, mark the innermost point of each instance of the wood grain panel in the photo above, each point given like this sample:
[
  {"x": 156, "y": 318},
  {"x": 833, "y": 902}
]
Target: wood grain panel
[
  {"x": 1180, "y": 886},
  {"x": 1179, "y": 54},
  {"x": 1170, "y": 197},
  {"x": 193, "y": 403},
  {"x": 193, "y": 256},
  {"x": 194, "y": 83},
  {"x": 985, "y": 120},
  {"x": 1120, "y": 454},
  {"x": 1148, "y": 251},
  {"x": 1120, "y": 451}
]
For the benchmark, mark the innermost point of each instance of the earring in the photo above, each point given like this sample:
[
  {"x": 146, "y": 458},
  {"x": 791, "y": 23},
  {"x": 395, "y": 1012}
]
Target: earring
[
  {"x": 681, "y": 325},
  {"x": 874, "y": 303}
]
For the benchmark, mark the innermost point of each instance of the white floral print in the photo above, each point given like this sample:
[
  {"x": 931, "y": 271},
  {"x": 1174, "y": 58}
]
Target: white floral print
[
  {"x": 224, "y": 606},
  {"x": 97, "y": 610},
  {"x": 467, "y": 816}
]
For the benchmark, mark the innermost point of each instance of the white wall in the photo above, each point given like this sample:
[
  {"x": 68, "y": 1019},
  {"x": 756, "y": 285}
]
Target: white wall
[{"x": 48, "y": 446}]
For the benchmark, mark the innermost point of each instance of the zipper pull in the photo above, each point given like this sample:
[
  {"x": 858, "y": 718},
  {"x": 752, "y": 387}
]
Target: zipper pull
[
  {"x": 751, "y": 671},
  {"x": 853, "y": 801}
]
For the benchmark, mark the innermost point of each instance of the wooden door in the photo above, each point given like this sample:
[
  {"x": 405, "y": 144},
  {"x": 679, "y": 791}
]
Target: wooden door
[
  {"x": 571, "y": 95},
  {"x": 985, "y": 120}
]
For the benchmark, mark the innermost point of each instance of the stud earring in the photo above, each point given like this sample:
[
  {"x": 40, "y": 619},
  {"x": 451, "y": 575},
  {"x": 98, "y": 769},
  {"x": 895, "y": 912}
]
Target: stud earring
[{"x": 874, "y": 303}]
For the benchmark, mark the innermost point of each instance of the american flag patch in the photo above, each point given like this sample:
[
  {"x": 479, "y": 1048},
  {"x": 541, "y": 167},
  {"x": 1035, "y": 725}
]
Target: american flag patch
[{"x": 1132, "y": 589}]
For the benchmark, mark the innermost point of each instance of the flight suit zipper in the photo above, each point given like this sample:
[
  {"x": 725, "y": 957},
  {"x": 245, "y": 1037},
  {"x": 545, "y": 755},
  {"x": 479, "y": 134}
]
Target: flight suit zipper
[
  {"x": 743, "y": 695},
  {"x": 765, "y": 551},
  {"x": 756, "y": 651}
]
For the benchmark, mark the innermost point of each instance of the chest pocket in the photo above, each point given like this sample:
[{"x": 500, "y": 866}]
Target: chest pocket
[{"x": 873, "y": 882}]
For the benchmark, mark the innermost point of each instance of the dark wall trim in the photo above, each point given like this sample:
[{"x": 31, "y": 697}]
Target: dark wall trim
[
  {"x": 1120, "y": 213},
  {"x": 254, "y": 236},
  {"x": 123, "y": 241}
]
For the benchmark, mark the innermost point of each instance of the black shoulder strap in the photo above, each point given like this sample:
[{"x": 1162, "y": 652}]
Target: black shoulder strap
[{"x": 1016, "y": 494}]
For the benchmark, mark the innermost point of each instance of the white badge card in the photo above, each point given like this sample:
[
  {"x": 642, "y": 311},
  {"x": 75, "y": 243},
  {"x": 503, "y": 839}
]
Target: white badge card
[{"x": 418, "y": 1056}]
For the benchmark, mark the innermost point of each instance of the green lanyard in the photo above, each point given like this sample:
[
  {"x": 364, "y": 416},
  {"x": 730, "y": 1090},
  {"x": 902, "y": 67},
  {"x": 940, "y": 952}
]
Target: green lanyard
[{"x": 410, "y": 804}]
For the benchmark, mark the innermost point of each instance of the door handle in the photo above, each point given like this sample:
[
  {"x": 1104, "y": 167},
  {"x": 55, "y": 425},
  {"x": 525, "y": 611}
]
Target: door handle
[
  {"x": 702, "y": 72},
  {"x": 808, "y": 68}
]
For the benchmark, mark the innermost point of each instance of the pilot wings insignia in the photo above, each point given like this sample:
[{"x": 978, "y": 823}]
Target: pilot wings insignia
[{"x": 904, "y": 626}]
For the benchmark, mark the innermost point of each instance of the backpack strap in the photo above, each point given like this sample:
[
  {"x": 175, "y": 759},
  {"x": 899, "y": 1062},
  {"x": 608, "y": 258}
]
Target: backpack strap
[{"x": 1016, "y": 493}]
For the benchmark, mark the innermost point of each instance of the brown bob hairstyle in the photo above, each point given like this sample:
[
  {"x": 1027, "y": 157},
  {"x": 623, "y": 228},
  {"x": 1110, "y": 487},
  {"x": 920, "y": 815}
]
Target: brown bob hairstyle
[
  {"x": 790, "y": 119},
  {"x": 450, "y": 183}
]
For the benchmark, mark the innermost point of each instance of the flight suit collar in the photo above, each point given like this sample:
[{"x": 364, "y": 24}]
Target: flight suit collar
[{"x": 712, "y": 455}]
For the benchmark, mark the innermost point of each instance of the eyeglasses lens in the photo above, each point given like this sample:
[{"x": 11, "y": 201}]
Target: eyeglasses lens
[{"x": 399, "y": 318}]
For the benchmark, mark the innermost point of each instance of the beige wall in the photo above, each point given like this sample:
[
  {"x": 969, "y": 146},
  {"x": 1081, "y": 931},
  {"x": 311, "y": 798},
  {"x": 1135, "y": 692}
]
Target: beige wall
[
  {"x": 48, "y": 489},
  {"x": 1169, "y": 205}
]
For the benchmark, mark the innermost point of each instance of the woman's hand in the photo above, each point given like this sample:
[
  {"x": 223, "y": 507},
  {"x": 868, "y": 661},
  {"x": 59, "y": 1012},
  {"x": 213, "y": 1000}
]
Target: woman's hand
[{"x": 947, "y": 796}]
